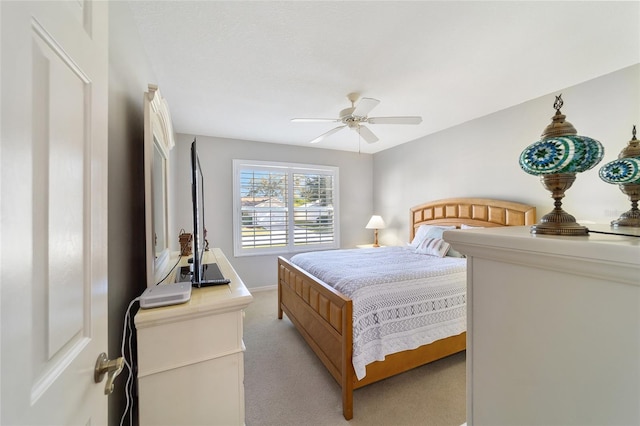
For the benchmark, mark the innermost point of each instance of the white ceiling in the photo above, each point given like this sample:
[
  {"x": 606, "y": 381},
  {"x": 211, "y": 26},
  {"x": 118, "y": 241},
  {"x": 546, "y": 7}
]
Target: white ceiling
[{"x": 242, "y": 70}]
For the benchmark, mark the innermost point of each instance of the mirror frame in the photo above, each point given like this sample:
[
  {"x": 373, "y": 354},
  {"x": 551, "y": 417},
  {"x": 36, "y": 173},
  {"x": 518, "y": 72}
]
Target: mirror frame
[{"x": 158, "y": 135}]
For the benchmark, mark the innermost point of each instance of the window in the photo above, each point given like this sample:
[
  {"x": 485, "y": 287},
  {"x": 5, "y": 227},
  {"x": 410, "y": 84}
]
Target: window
[{"x": 283, "y": 207}]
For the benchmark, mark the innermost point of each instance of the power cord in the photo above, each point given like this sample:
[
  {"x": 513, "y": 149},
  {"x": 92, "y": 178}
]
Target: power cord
[
  {"x": 128, "y": 388},
  {"x": 171, "y": 270},
  {"x": 613, "y": 233},
  {"x": 127, "y": 330}
]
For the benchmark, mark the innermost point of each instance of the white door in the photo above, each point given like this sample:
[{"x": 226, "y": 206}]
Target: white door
[{"x": 53, "y": 298}]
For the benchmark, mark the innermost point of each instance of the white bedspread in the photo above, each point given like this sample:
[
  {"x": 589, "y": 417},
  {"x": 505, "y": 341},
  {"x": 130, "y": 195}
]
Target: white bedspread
[{"x": 401, "y": 300}]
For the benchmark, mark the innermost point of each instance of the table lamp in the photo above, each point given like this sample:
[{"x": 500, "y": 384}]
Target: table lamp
[
  {"x": 556, "y": 158},
  {"x": 375, "y": 223},
  {"x": 625, "y": 172}
]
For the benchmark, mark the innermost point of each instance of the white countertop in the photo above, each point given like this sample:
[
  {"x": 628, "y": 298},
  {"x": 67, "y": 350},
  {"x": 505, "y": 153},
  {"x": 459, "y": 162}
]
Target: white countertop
[
  {"x": 204, "y": 300},
  {"x": 585, "y": 254}
]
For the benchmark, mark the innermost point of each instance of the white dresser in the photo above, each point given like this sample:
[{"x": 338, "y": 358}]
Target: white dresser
[
  {"x": 190, "y": 356},
  {"x": 553, "y": 327}
]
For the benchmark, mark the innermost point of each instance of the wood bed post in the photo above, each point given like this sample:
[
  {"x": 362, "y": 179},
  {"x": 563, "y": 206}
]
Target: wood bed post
[{"x": 347, "y": 363}]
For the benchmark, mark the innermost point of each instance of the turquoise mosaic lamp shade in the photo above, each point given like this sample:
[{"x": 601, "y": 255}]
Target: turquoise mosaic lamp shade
[
  {"x": 625, "y": 172},
  {"x": 561, "y": 154},
  {"x": 621, "y": 172},
  {"x": 556, "y": 158}
]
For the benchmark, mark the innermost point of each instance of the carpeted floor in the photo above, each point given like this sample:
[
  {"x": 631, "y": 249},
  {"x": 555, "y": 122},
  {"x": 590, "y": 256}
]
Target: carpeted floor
[{"x": 286, "y": 384}]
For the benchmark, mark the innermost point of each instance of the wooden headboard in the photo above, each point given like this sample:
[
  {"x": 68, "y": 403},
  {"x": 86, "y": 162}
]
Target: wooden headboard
[{"x": 471, "y": 211}]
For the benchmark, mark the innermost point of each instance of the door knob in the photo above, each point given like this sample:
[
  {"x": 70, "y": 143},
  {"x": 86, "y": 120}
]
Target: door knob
[{"x": 110, "y": 367}]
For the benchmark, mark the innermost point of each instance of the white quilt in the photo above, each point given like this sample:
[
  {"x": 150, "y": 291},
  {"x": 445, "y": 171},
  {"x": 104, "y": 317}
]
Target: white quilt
[{"x": 401, "y": 300}]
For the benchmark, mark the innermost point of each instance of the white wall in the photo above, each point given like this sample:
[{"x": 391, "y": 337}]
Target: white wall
[
  {"x": 216, "y": 155},
  {"x": 480, "y": 158}
]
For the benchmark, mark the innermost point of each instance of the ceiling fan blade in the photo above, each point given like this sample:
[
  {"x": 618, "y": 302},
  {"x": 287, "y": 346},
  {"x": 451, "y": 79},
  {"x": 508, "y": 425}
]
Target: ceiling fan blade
[
  {"x": 367, "y": 134},
  {"x": 394, "y": 120},
  {"x": 364, "y": 106},
  {"x": 327, "y": 134},
  {"x": 315, "y": 120}
]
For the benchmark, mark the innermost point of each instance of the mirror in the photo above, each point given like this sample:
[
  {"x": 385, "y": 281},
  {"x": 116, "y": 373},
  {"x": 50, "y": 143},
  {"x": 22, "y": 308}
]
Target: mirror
[
  {"x": 158, "y": 141},
  {"x": 159, "y": 195}
]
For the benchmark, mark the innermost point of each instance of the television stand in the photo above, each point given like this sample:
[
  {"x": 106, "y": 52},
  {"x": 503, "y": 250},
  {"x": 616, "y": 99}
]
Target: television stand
[{"x": 194, "y": 346}]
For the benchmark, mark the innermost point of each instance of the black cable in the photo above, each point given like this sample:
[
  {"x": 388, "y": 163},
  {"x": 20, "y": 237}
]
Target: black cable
[
  {"x": 170, "y": 270},
  {"x": 613, "y": 233}
]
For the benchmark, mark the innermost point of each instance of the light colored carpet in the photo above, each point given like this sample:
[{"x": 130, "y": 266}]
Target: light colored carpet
[{"x": 286, "y": 384}]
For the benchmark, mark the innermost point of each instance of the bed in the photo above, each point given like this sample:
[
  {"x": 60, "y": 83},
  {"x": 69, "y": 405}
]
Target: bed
[{"x": 324, "y": 315}]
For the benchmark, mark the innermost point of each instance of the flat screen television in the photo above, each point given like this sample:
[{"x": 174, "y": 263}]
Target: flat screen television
[{"x": 204, "y": 274}]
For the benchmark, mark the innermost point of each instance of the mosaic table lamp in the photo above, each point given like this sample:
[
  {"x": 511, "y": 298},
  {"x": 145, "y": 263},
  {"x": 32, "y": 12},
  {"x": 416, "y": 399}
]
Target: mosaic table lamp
[
  {"x": 625, "y": 172},
  {"x": 556, "y": 158}
]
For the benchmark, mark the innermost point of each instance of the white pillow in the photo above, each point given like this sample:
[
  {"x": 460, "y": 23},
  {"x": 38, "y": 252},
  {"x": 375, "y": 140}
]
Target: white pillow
[
  {"x": 427, "y": 231},
  {"x": 433, "y": 247},
  {"x": 454, "y": 253}
]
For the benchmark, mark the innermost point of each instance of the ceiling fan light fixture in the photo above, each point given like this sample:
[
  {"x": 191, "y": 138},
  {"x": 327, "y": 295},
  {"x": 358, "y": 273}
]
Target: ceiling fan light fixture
[{"x": 356, "y": 115}]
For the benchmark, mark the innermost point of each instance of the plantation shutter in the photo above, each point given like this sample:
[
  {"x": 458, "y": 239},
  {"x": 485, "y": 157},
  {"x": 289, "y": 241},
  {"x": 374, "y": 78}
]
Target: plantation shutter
[
  {"x": 313, "y": 208},
  {"x": 284, "y": 207},
  {"x": 265, "y": 217}
]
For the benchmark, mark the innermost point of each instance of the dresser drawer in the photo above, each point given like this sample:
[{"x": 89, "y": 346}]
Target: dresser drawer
[
  {"x": 184, "y": 342},
  {"x": 218, "y": 381}
]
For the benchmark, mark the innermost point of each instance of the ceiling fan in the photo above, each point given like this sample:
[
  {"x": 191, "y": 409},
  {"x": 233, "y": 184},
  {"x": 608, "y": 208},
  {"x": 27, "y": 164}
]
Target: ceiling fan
[{"x": 356, "y": 117}]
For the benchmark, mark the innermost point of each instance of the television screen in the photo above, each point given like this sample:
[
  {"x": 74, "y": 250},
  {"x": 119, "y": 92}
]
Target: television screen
[
  {"x": 204, "y": 274},
  {"x": 197, "y": 195}
]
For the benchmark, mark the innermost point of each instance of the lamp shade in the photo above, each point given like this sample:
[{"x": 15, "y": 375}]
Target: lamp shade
[
  {"x": 375, "y": 222},
  {"x": 626, "y": 169},
  {"x": 561, "y": 154},
  {"x": 621, "y": 171}
]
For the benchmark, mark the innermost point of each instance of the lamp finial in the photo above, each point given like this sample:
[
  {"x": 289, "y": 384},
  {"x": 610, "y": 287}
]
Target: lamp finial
[
  {"x": 559, "y": 126},
  {"x": 633, "y": 147},
  {"x": 558, "y": 103}
]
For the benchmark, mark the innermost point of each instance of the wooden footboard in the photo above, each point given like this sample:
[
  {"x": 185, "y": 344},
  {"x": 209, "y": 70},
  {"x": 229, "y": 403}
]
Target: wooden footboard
[{"x": 323, "y": 316}]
